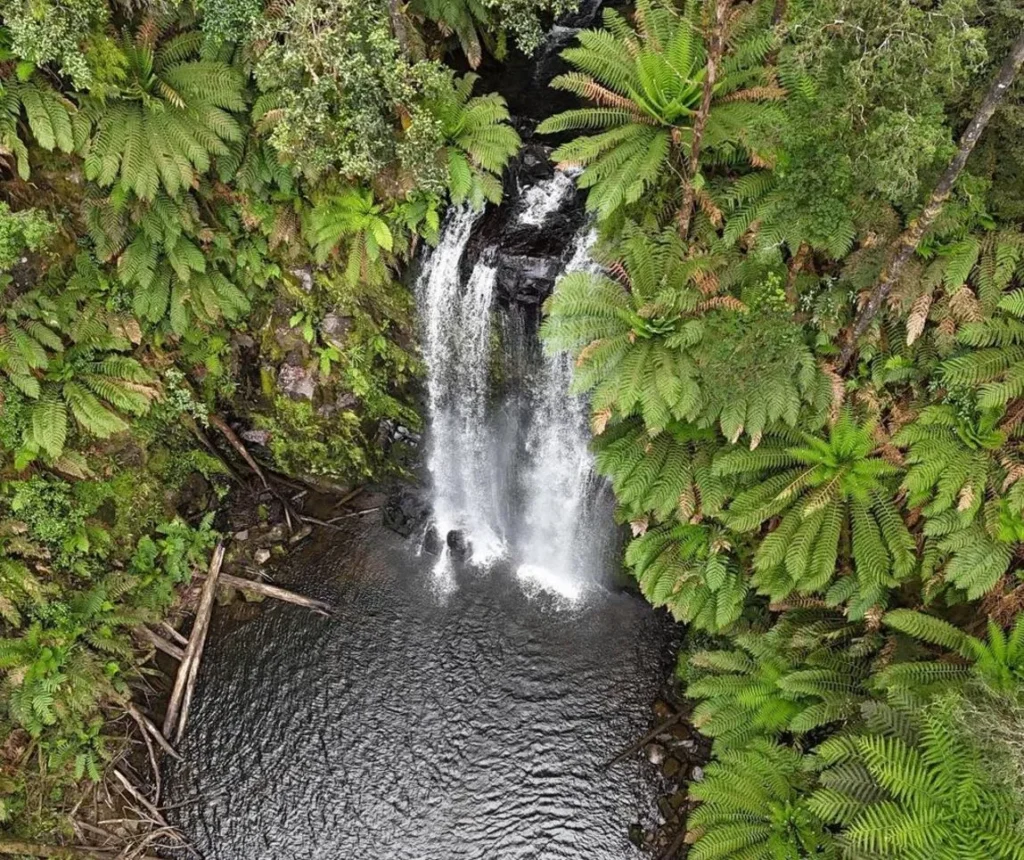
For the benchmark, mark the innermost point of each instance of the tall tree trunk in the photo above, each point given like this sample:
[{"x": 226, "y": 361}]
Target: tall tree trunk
[
  {"x": 398, "y": 26},
  {"x": 904, "y": 246},
  {"x": 716, "y": 47}
]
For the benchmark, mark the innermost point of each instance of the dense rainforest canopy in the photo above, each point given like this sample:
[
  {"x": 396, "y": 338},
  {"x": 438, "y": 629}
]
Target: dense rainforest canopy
[{"x": 803, "y": 356}]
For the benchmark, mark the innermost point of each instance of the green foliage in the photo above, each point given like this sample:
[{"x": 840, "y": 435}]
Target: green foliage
[
  {"x": 998, "y": 663},
  {"x": 668, "y": 476},
  {"x": 920, "y": 788},
  {"x": 479, "y": 142},
  {"x": 808, "y": 671},
  {"x": 27, "y": 230},
  {"x": 171, "y": 116},
  {"x": 340, "y": 94},
  {"x": 645, "y": 82},
  {"x": 822, "y": 490},
  {"x": 654, "y": 344},
  {"x": 354, "y": 221},
  {"x": 962, "y": 471},
  {"x": 47, "y": 113},
  {"x": 690, "y": 570},
  {"x": 754, "y": 805}
]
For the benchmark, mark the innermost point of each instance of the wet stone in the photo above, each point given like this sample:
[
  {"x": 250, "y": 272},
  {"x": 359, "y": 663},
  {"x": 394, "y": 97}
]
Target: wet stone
[
  {"x": 671, "y": 767},
  {"x": 655, "y": 753}
]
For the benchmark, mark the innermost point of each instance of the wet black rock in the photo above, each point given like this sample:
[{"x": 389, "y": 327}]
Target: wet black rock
[
  {"x": 457, "y": 543},
  {"x": 405, "y": 511}
]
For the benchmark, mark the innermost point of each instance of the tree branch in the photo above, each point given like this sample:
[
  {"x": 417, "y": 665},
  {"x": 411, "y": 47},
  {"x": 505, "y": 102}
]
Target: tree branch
[
  {"x": 904, "y": 246},
  {"x": 716, "y": 47}
]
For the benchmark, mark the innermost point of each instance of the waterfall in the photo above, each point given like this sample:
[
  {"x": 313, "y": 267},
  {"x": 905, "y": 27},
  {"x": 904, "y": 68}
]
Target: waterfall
[
  {"x": 545, "y": 198},
  {"x": 456, "y": 347},
  {"x": 558, "y": 537},
  {"x": 509, "y": 462}
]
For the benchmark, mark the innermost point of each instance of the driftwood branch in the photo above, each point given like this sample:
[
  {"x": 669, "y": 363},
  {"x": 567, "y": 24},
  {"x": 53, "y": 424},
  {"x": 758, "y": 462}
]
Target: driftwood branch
[
  {"x": 160, "y": 643},
  {"x": 174, "y": 634},
  {"x": 276, "y": 592},
  {"x": 10, "y": 847},
  {"x": 903, "y": 248},
  {"x": 716, "y": 47},
  {"x": 147, "y": 726},
  {"x": 238, "y": 445},
  {"x": 638, "y": 745},
  {"x": 140, "y": 797},
  {"x": 181, "y": 695}
]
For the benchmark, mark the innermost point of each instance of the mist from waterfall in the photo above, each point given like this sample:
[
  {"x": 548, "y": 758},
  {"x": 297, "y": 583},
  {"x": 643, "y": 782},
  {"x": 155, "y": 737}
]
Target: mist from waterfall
[{"x": 510, "y": 468}]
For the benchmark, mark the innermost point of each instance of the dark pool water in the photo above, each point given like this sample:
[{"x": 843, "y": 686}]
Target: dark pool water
[{"x": 416, "y": 726}]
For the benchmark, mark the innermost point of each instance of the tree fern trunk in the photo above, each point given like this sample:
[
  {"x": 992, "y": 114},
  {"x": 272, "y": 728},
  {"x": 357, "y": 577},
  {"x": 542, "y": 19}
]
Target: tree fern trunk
[
  {"x": 904, "y": 246},
  {"x": 716, "y": 47}
]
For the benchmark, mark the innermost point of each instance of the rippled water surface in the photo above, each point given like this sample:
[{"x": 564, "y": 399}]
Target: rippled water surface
[{"x": 413, "y": 726}]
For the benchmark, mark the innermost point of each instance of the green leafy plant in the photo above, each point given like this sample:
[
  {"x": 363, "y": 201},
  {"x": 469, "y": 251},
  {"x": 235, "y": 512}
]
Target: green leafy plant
[
  {"x": 479, "y": 142},
  {"x": 645, "y": 81},
  {"x": 170, "y": 118},
  {"x": 997, "y": 663},
  {"x": 690, "y": 570},
  {"x": 807, "y": 671},
  {"x": 822, "y": 490},
  {"x": 754, "y": 805},
  {"x": 918, "y": 788}
]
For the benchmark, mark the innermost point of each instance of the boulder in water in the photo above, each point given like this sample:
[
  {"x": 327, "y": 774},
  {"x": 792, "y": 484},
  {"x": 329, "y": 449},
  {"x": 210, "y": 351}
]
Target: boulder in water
[
  {"x": 405, "y": 511},
  {"x": 457, "y": 543}
]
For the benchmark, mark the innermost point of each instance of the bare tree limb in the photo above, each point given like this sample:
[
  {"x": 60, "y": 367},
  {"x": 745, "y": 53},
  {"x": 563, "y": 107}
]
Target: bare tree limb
[
  {"x": 906, "y": 243},
  {"x": 160, "y": 643},
  {"x": 181, "y": 695},
  {"x": 276, "y": 592},
  {"x": 716, "y": 47}
]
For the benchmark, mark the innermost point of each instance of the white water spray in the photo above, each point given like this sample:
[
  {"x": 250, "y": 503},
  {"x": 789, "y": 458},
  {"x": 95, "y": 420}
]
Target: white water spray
[
  {"x": 545, "y": 198},
  {"x": 556, "y": 545},
  {"x": 551, "y": 529}
]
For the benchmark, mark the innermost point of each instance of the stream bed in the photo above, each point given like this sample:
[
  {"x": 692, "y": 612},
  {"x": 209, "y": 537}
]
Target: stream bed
[{"x": 418, "y": 723}]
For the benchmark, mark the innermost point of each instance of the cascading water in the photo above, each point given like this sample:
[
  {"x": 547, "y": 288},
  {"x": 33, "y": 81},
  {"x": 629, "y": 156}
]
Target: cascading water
[
  {"x": 539, "y": 508},
  {"x": 557, "y": 546},
  {"x": 456, "y": 347}
]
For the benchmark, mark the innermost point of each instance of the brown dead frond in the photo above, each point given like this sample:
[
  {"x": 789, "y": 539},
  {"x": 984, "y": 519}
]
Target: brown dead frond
[{"x": 918, "y": 317}]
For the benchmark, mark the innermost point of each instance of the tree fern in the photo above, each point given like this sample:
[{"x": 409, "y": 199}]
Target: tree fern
[
  {"x": 996, "y": 362},
  {"x": 46, "y": 113},
  {"x": 351, "y": 225},
  {"x": 963, "y": 473},
  {"x": 690, "y": 570},
  {"x": 754, "y": 805},
  {"x": 997, "y": 663},
  {"x": 479, "y": 142},
  {"x": 929, "y": 795},
  {"x": 808, "y": 671},
  {"x": 821, "y": 490},
  {"x": 169, "y": 119},
  {"x": 668, "y": 476},
  {"x": 645, "y": 83}
]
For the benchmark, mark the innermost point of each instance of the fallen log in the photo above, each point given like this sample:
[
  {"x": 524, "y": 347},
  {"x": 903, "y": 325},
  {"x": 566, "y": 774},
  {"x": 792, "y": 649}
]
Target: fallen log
[
  {"x": 174, "y": 634},
  {"x": 33, "y": 849},
  {"x": 638, "y": 745},
  {"x": 181, "y": 695},
  {"x": 160, "y": 643},
  {"x": 276, "y": 592},
  {"x": 239, "y": 446}
]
